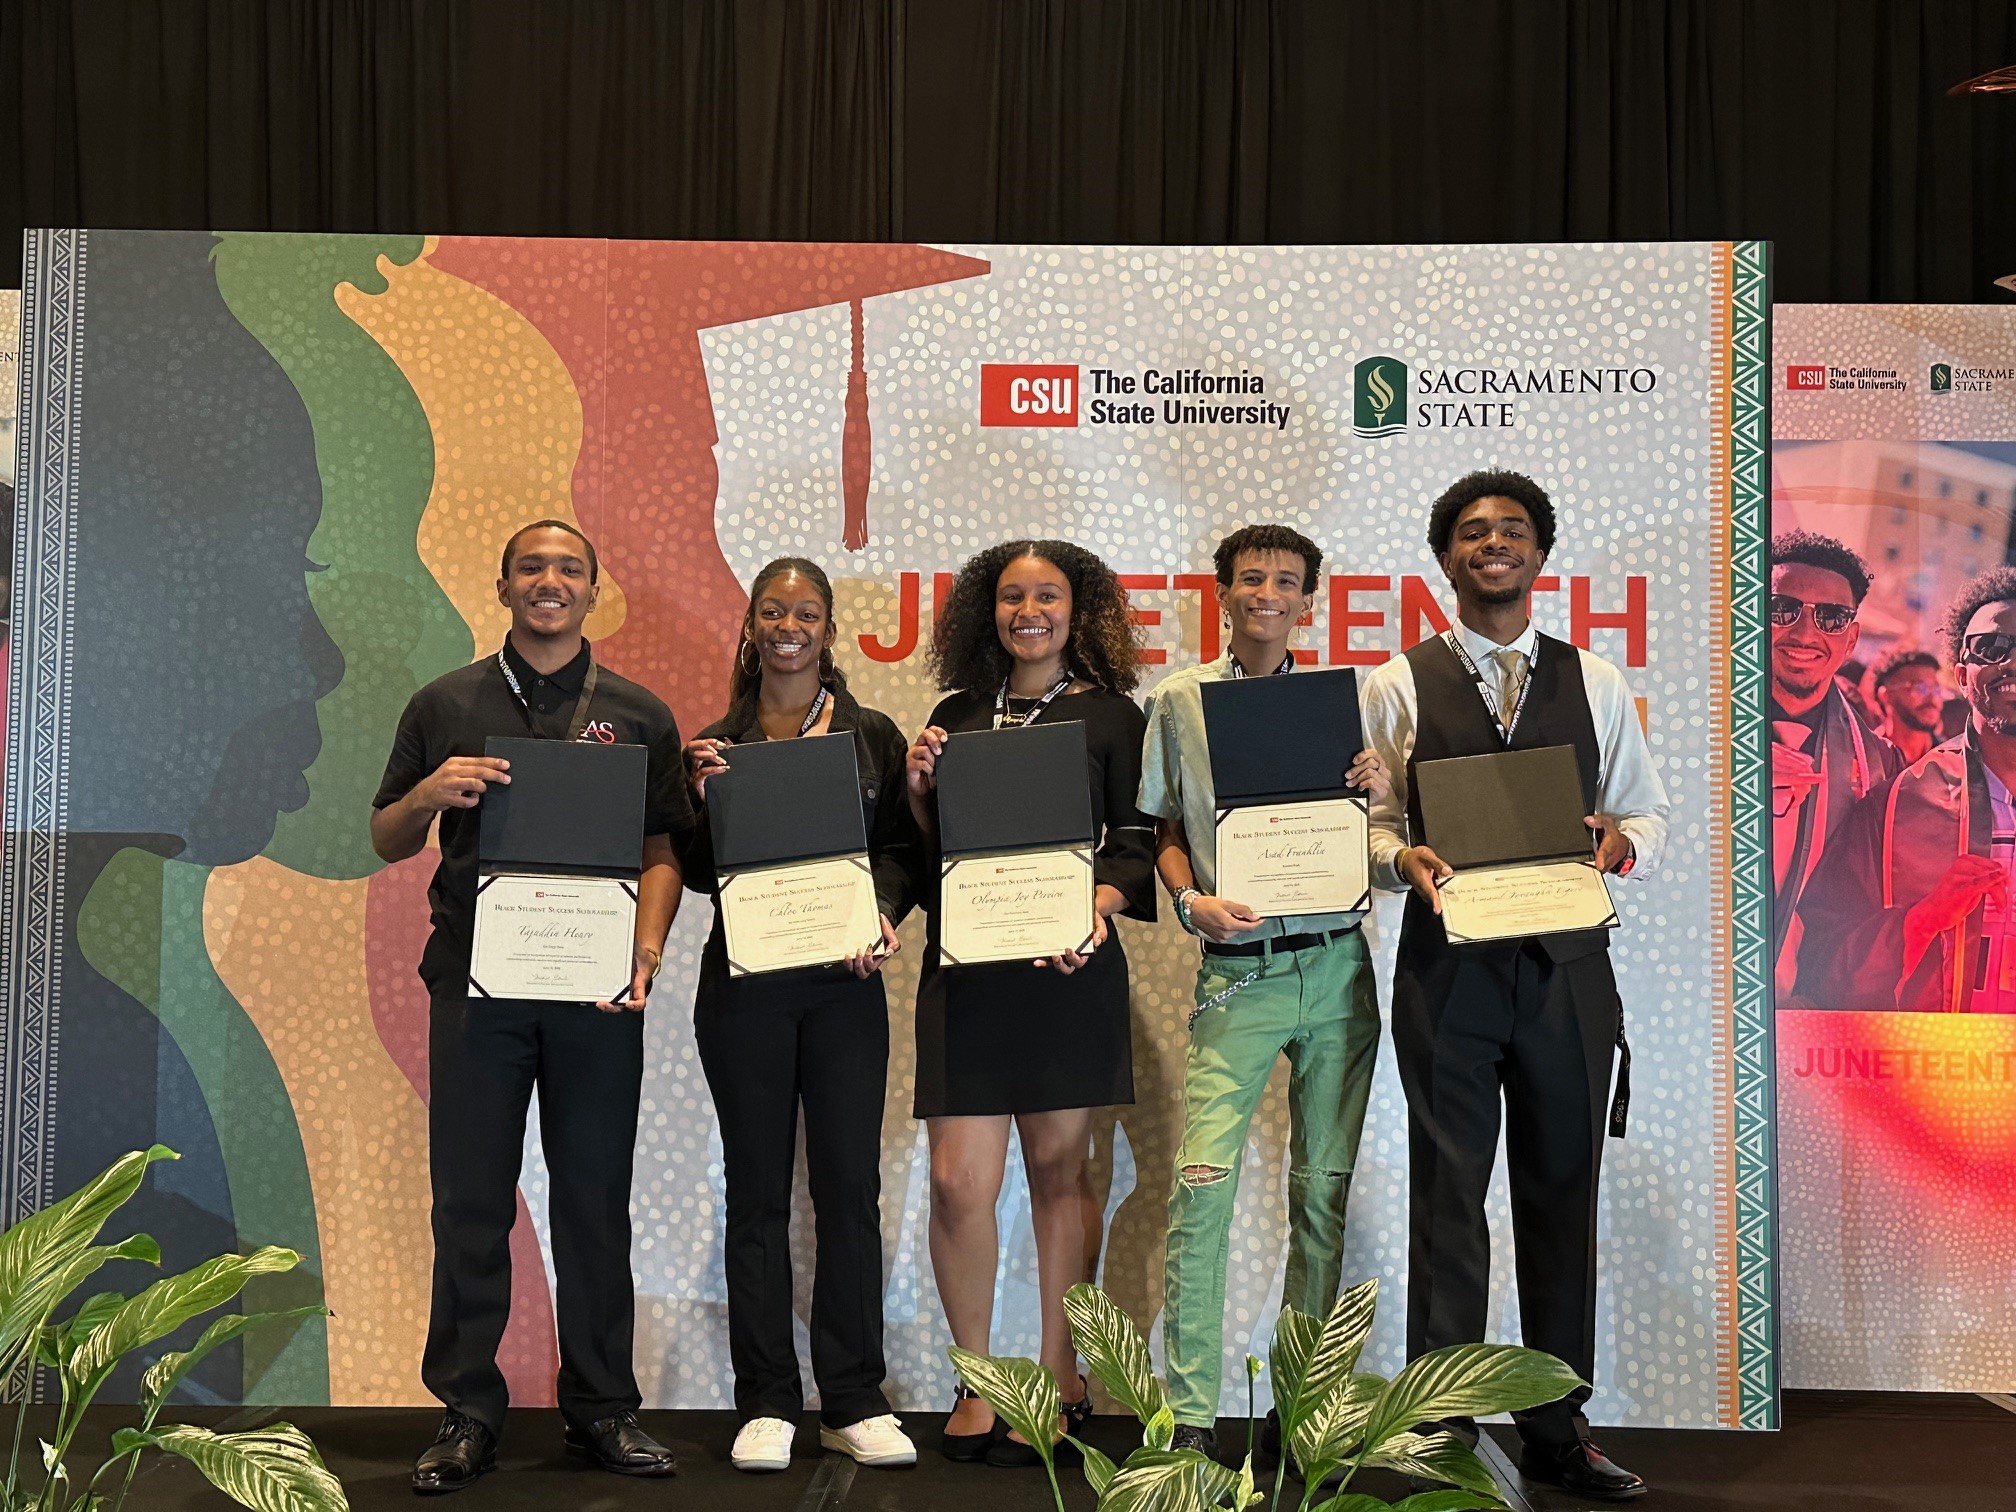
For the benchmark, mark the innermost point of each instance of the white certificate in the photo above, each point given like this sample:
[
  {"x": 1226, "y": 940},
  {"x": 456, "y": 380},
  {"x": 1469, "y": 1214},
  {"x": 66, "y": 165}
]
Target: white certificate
[
  {"x": 804, "y": 913},
  {"x": 557, "y": 939},
  {"x": 1295, "y": 858},
  {"x": 1016, "y": 907},
  {"x": 1514, "y": 902}
]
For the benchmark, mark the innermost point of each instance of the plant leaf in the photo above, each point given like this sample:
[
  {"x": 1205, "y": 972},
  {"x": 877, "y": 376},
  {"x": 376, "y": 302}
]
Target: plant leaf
[
  {"x": 1435, "y": 1456},
  {"x": 167, "y": 1372},
  {"x": 69, "y": 1224},
  {"x": 1242, "y": 1485},
  {"x": 272, "y": 1469},
  {"x": 1326, "y": 1437},
  {"x": 1166, "y": 1480},
  {"x": 24, "y": 1324},
  {"x": 1161, "y": 1429},
  {"x": 1295, "y": 1336},
  {"x": 1353, "y": 1501},
  {"x": 126, "y": 1440},
  {"x": 1340, "y": 1344},
  {"x": 1469, "y": 1380},
  {"x": 1099, "y": 1470},
  {"x": 1114, "y": 1351},
  {"x": 1023, "y": 1392},
  {"x": 1452, "y": 1500},
  {"x": 169, "y": 1303}
]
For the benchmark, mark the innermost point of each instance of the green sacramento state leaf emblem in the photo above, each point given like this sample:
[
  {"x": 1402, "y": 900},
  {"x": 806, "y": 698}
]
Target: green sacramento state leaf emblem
[
  {"x": 1942, "y": 377},
  {"x": 1379, "y": 397}
]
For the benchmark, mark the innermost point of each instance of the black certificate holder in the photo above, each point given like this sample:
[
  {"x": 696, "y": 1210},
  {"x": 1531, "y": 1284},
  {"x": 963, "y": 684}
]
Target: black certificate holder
[
  {"x": 1020, "y": 789},
  {"x": 1282, "y": 739},
  {"x": 572, "y": 808},
  {"x": 783, "y": 801}
]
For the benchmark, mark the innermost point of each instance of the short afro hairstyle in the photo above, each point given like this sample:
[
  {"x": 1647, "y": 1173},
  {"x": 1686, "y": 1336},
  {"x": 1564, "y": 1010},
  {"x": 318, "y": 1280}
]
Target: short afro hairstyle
[
  {"x": 1902, "y": 659},
  {"x": 1491, "y": 484},
  {"x": 511, "y": 546},
  {"x": 1268, "y": 538},
  {"x": 1807, "y": 548},
  {"x": 1995, "y": 586}
]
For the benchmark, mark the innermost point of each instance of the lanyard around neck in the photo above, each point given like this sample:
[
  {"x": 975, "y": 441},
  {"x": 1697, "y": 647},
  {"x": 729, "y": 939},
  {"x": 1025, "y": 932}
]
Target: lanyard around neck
[
  {"x": 812, "y": 714},
  {"x": 576, "y": 723},
  {"x": 1287, "y": 665},
  {"x": 1003, "y": 720},
  {"x": 1505, "y": 727}
]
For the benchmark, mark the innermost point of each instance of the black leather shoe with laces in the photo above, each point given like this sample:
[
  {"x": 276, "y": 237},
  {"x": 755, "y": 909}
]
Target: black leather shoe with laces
[
  {"x": 621, "y": 1447},
  {"x": 1580, "y": 1468},
  {"x": 461, "y": 1451},
  {"x": 1203, "y": 1440}
]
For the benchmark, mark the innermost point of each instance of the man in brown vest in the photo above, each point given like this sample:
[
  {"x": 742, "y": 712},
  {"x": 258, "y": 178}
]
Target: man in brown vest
[{"x": 1529, "y": 1025}]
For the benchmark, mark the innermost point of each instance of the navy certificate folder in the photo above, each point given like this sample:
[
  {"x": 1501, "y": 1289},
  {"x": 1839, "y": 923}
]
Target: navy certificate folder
[
  {"x": 572, "y": 806},
  {"x": 1282, "y": 739},
  {"x": 786, "y": 800}
]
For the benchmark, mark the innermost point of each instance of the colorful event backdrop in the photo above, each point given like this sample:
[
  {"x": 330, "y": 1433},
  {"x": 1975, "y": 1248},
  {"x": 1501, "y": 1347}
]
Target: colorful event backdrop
[
  {"x": 1896, "y": 435},
  {"x": 268, "y": 479}
]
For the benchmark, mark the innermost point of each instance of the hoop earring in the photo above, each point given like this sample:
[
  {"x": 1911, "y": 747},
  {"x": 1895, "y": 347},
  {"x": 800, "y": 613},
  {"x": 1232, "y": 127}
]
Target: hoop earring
[
  {"x": 826, "y": 664},
  {"x": 749, "y": 657}
]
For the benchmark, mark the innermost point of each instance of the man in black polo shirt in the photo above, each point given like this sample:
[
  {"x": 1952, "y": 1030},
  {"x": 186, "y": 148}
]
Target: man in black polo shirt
[
  {"x": 485, "y": 1057},
  {"x": 1531, "y": 1025}
]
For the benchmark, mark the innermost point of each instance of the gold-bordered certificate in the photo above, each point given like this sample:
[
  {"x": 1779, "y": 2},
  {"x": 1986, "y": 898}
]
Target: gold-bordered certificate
[
  {"x": 1020, "y": 906},
  {"x": 803, "y": 913},
  {"x": 1295, "y": 858},
  {"x": 555, "y": 939},
  {"x": 1514, "y": 902}
]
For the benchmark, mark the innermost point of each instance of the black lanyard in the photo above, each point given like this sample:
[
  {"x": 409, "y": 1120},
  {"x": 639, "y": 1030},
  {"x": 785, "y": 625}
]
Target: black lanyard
[
  {"x": 577, "y": 723},
  {"x": 812, "y": 714},
  {"x": 1287, "y": 665},
  {"x": 1003, "y": 720},
  {"x": 1505, "y": 727}
]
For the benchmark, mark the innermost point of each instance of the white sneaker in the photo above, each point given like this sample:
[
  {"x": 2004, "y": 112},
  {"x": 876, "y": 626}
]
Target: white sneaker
[
  {"x": 763, "y": 1444},
  {"x": 872, "y": 1441}
]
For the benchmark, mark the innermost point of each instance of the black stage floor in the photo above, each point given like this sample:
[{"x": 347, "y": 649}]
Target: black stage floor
[{"x": 1839, "y": 1452}]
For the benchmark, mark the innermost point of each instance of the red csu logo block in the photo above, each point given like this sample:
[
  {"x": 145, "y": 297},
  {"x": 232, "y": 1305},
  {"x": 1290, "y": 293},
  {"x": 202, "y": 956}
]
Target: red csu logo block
[
  {"x": 1806, "y": 376},
  {"x": 1023, "y": 393}
]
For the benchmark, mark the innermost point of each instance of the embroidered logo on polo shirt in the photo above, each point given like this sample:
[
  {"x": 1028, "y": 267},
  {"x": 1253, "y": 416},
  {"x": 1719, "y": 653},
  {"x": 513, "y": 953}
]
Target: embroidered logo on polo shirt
[{"x": 599, "y": 729}]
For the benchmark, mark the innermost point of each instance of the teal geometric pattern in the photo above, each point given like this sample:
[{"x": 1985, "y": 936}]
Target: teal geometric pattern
[{"x": 1755, "y": 1120}]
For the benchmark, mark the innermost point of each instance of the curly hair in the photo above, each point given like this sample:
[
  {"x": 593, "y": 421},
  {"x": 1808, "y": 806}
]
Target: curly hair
[
  {"x": 1267, "y": 539},
  {"x": 745, "y": 674},
  {"x": 1901, "y": 659},
  {"x": 1807, "y": 548},
  {"x": 1995, "y": 586},
  {"x": 1104, "y": 648},
  {"x": 1467, "y": 490}
]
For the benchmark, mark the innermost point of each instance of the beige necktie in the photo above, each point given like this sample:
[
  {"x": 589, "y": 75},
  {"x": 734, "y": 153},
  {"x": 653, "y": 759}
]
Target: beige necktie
[{"x": 1511, "y": 666}]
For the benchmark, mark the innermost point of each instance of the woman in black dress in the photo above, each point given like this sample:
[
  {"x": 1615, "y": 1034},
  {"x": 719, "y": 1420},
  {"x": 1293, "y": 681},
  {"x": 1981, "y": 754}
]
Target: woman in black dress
[
  {"x": 1033, "y": 630},
  {"x": 819, "y": 1036}
]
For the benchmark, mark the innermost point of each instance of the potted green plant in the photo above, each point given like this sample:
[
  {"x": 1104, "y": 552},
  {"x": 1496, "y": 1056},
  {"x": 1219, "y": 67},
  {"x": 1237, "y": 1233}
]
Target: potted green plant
[
  {"x": 45, "y": 1259},
  {"x": 1335, "y": 1419}
]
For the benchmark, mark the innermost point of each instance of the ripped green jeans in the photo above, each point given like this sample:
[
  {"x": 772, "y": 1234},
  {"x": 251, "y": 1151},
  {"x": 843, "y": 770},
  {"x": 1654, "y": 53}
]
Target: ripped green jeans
[{"x": 1318, "y": 1006}]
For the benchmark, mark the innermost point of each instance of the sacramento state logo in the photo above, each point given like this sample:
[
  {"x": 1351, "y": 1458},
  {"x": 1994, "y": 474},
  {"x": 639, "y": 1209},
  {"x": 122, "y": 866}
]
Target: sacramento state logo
[
  {"x": 1942, "y": 377},
  {"x": 1379, "y": 397}
]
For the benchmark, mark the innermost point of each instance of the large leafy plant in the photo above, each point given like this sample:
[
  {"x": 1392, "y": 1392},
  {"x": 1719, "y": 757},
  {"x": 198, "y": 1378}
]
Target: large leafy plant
[
  {"x": 1335, "y": 1419},
  {"x": 46, "y": 1258}
]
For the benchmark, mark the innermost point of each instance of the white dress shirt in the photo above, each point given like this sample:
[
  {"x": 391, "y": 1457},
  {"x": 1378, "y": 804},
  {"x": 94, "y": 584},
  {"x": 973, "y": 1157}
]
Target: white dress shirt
[{"x": 1628, "y": 788}]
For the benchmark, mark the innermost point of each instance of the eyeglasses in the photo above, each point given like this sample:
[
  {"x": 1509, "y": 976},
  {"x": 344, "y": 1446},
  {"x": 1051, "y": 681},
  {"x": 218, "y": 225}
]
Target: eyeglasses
[
  {"x": 1828, "y": 619},
  {"x": 1989, "y": 649}
]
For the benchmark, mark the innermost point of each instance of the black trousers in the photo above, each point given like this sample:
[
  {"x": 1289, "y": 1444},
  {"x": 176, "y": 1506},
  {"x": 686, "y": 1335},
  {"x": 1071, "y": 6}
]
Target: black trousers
[
  {"x": 768, "y": 1045},
  {"x": 1474, "y": 1029},
  {"x": 484, "y": 1060}
]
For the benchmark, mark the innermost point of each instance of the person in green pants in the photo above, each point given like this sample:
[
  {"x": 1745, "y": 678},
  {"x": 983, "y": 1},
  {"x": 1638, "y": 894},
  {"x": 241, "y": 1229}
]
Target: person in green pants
[{"x": 1299, "y": 986}]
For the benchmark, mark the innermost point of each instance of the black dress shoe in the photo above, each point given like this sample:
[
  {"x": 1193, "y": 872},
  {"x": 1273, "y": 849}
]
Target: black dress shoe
[
  {"x": 463, "y": 1450},
  {"x": 1203, "y": 1440},
  {"x": 1012, "y": 1454},
  {"x": 619, "y": 1446},
  {"x": 968, "y": 1448},
  {"x": 1580, "y": 1468}
]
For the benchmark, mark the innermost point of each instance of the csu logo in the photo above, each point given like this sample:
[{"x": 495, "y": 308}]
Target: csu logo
[
  {"x": 1806, "y": 375},
  {"x": 1379, "y": 397},
  {"x": 1942, "y": 377},
  {"x": 1028, "y": 393}
]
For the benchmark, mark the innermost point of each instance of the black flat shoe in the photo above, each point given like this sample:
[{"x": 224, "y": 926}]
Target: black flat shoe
[
  {"x": 968, "y": 1448},
  {"x": 1580, "y": 1468},
  {"x": 463, "y": 1450},
  {"x": 1013, "y": 1454},
  {"x": 619, "y": 1445}
]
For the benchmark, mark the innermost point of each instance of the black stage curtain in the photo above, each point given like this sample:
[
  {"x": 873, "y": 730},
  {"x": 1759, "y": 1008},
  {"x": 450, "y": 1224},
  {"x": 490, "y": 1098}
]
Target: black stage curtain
[{"x": 1822, "y": 125}]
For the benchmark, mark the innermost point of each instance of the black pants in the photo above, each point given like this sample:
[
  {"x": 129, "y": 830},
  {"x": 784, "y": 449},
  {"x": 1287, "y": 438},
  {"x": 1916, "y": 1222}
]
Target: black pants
[
  {"x": 767, "y": 1044},
  {"x": 1470, "y": 1028},
  {"x": 484, "y": 1060}
]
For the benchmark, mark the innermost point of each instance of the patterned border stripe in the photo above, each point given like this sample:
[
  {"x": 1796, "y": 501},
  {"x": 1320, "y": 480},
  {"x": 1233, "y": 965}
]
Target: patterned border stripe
[
  {"x": 1755, "y": 1139},
  {"x": 38, "y": 719}
]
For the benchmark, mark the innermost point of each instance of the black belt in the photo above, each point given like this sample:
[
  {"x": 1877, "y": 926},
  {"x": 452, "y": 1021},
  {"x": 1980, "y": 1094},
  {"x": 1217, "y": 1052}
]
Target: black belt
[{"x": 1278, "y": 944}]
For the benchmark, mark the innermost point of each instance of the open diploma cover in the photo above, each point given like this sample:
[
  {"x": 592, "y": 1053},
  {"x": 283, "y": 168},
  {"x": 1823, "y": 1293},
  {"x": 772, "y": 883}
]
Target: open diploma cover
[
  {"x": 559, "y": 851},
  {"x": 1291, "y": 836},
  {"x": 791, "y": 852},
  {"x": 1510, "y": 823},
  {"x": 1015, "y": 833}
]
